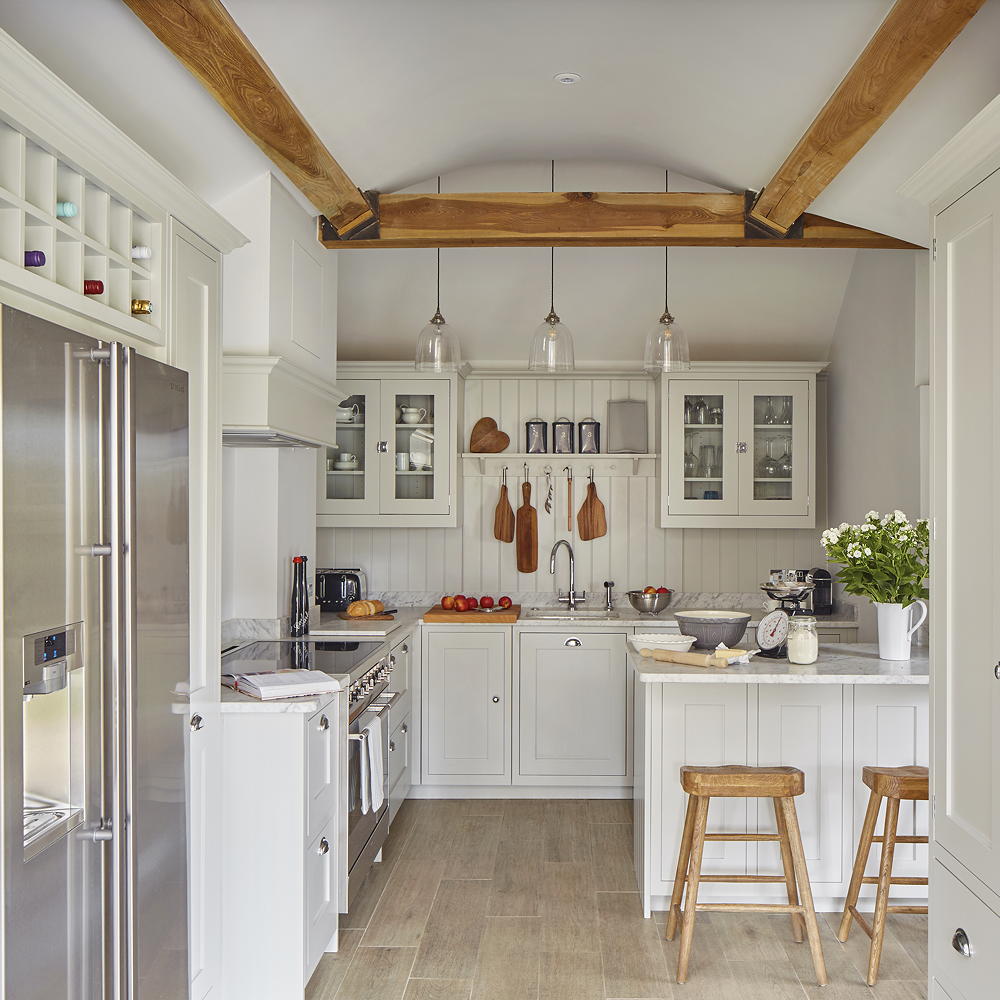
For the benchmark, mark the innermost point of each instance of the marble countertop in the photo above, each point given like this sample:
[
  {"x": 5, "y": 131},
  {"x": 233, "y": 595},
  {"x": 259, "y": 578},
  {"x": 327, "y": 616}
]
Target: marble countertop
[
  {"x": 841, "y": 663},
  {"x": 328, "y": 624}
]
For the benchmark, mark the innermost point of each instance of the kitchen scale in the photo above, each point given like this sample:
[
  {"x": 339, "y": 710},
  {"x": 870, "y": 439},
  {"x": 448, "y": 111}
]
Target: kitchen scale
[{"x": 772, "y": 632}]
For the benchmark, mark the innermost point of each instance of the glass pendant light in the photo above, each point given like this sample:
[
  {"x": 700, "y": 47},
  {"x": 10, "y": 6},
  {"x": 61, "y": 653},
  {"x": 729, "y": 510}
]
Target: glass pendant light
[
  {"x": 552, "y": 344},
  {"x": 667, "y": 344},
  {"x": 438, "y": 349}
]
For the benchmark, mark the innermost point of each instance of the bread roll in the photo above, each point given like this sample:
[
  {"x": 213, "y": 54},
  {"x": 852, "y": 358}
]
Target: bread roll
[{"x": 363, "y": 609}]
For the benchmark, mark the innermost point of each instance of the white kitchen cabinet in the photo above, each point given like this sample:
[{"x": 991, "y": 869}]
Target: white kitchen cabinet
[
  {"x": 739, "y": 448},
  {"x": 282, "y": 778},
  {"x": 802, "y": 725},
  {"x": 395, "y": 459},
  {"x": 573, "y": 693},
  {"x": 466, "y": 706},
  {"x": 400, "y": 763},
  {"x": 891, "y": 729}
]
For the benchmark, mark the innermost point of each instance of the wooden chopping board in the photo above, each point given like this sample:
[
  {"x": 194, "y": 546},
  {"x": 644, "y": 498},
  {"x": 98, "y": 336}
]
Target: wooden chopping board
[
  {"x": 487, "y": 438},
  {"x": 526, "y": 533},
  {"x": 592, "y": 521},
  {"x": 505, "y": 616},
  {"x": 365, "y": 618}
]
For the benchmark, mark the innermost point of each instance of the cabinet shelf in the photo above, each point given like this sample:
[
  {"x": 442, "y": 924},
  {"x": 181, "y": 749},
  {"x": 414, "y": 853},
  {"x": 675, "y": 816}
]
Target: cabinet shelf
[
  {"x": 703, "y": 427},
  {"x": 707, "y": 479},
  {"x": 413, "y": 427},
  {"x": 772, "y": 479},
  {"x": 416, "y": 472},
  {"x": 773, "y": 427},
  {"x": 345, "y": 472},
  {"x": 350, "y": 426}
]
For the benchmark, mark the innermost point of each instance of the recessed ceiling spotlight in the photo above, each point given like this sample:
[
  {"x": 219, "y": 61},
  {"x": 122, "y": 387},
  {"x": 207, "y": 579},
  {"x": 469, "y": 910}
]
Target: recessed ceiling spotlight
[{"x": 567, "y": 78}]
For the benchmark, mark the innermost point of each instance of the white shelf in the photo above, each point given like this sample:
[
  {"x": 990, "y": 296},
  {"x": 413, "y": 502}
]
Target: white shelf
[
  {"x": 772, "y": 479},
  {"x": 549, "y": 456},
  {"x": 413, "y": 427},
  {"x": 703, "y": 427},
  {"x": 773, "y": 427},
  {"x": 707, "y": 479},
  {"x": 345, "y": 472},
  {"x": 416, "y": 472},
  {"x": 344, "y": 425}
]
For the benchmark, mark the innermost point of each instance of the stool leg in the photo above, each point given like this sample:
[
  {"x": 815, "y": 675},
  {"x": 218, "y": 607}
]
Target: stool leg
[
  {"x": 860, "y": 863},
  {"x": 882, "y": 896},
  {"x": 786, "y": 863},
  {"x": 805, "y": 890},
  {"x": 694, "y": 876},
  {"x": 683, "y": 857}
]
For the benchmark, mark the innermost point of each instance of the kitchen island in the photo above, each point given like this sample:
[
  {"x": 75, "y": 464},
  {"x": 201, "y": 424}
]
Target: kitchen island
[{"x": 829, "y": 718}]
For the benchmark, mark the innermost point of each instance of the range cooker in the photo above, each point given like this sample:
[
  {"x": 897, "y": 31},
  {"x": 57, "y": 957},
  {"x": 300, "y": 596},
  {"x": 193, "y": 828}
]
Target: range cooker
[{"x": 368, "y": 664}]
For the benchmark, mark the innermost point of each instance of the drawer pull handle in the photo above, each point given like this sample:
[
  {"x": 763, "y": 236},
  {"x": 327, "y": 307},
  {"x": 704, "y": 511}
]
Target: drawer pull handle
[
  {"x": 496, "y": 700},
  {"x": 392, "y": 747},
  {"x": 996, "y": 671},
  {"x": 196, "y": 723},
  {"x": 404, "y": 728},
  {"x": 960, "y": 942},
  {"x": 324, "y": 723},
  {"x": 573, "y": 641},
  {"x": 324, "y": 846}
]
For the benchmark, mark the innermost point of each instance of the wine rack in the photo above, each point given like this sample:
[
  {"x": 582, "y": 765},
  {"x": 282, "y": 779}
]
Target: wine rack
[{"x": 86, "y": 232}]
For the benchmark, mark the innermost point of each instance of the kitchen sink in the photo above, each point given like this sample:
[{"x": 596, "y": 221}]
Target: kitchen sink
[{"x": 566, "y": 615}]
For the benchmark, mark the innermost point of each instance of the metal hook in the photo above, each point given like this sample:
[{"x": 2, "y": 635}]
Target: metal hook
[
  {"x": 569, "y": 472},
  {"x": 591, "y": 476},
  {"x": 503, "y": 478},
  {"x": 525, "y": 470}
]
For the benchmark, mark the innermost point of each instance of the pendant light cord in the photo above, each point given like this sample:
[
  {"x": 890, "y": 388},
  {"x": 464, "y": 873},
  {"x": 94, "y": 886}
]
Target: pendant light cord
[
  {"x": 666, "y": 318},
  {"x": 437, "y": 311},
  {"x": 552, "y": 250}
]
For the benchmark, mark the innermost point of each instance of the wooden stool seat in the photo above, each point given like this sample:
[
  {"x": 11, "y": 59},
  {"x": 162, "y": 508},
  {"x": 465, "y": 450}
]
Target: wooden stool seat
[
  {"x": 738, "y": 781},
  {"x": 780, "y": 785},
  {"x": 897, "y": 782},
  {"x": 891, "y": 784}
]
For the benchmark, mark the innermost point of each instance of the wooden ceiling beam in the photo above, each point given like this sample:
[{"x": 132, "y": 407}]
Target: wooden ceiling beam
[
  {"x": 589, "y": 218},
  {"x": 203, "y": 36},
  {"x": 906, "y": 45}
]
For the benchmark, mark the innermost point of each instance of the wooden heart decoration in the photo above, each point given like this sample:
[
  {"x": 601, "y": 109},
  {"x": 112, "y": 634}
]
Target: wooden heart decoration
[{"x": 487, "y": 438}]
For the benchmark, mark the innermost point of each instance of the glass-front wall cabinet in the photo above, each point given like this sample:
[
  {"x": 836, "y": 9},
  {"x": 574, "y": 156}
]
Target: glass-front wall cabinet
[
  {"x": 737, "y": 448},
  {"x": 393, "y": 450}
]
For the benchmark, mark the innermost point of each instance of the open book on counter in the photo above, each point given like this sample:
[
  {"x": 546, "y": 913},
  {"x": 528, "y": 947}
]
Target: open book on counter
[{"x": 270, "y": 684}]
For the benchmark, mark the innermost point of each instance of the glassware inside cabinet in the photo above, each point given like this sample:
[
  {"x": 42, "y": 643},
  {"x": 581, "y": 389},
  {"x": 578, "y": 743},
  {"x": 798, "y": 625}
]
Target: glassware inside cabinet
[
  {"x": 345, "y": 464},
  {"x": 413, "y": 446},
  {"x": 772, "y": 447},
  {"x": 704, "y": 418}
]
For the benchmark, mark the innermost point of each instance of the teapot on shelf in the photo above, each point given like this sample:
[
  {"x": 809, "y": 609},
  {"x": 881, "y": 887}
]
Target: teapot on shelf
[{"x": 412, "y": 414}]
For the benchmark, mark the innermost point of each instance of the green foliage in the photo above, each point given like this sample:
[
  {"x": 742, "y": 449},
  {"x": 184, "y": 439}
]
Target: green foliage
[{"x": 884, "y": 559}]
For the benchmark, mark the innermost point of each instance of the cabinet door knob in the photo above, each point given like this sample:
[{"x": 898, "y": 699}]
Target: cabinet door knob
[
  {"x": 324, "y": 723},
  {"x": 996, "y": 671},
  {"x": 196, "y": 723},
  {"x": 961, "y": 943},
  {"x": 382, "y": 447},
  {"x": 572, "y": 641},
  {"x": 404, "y": 728},
  {"x": 496, "y": 700},
  {"x": 406, "y": 648},
  {"x": 392, "y": 747},
  {"x": 324, "y": 846},
  {"x": 741, "y": 448}
]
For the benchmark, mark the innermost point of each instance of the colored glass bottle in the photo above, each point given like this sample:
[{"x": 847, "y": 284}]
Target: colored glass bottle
[
  {"x": 141, "y": 307},
  {"x": 93, "y": 287},
  {"x": 140, "y": 253},
  {"x": 34, "y": 258},
  {"x": 66, "y": 210}
]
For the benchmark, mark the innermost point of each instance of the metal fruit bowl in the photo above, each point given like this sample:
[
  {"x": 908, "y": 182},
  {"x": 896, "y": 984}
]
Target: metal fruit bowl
[
  {"x": 648, "y": 604},
  {"x": 787, "y": 591}
]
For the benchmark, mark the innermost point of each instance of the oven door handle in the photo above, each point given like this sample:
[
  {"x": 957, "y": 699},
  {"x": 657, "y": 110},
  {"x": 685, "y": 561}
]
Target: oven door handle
[
  {"x": 361, "y": 737},
  {"x": 386, "y": 705}
]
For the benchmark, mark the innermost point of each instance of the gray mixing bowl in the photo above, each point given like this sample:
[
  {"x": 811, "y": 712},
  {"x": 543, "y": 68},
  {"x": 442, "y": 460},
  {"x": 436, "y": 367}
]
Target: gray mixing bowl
[{"x": 709, "y": 628}]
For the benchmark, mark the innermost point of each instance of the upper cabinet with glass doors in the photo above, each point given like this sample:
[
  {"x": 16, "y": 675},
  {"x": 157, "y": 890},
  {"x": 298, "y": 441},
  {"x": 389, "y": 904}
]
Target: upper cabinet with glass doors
[
  {"x": 394, "y": 464},
  {"x": 739, "y": 450}
]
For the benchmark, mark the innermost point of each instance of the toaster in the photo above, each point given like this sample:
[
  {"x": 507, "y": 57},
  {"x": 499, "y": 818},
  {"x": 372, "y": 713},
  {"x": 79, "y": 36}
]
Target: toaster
[{"x": 336, "y": 588}]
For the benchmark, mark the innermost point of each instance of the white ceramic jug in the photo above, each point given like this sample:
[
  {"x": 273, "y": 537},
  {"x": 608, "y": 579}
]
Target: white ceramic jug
[{"x": 895, "y": 630}]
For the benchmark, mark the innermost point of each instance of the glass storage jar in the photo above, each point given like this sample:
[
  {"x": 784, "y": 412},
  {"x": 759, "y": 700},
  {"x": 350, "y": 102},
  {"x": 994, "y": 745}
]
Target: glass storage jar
[{"x": 803, "y": 639}]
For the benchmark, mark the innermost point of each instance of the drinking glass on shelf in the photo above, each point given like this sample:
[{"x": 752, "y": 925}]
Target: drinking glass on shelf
[
  {"x": 768, "y": 465},
  {"x": 707, "y": 461},
  {"x": 785, "y": 460},
  {"x": 699, "y": 410},
  {"x": 770, "y": 417},
  {"x": 688, "y": 410},
  {"x": 690, "y": 462},
  {"x": 785, "y": 413}
]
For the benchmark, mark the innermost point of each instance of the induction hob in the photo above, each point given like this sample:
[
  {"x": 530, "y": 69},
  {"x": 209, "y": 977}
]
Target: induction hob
[{"x": 302, "y": 654}]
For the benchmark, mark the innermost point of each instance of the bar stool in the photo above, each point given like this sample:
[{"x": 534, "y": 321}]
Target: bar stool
[
  {"x": 780, "y": 785},
  {"x": 891, "y": 784}
]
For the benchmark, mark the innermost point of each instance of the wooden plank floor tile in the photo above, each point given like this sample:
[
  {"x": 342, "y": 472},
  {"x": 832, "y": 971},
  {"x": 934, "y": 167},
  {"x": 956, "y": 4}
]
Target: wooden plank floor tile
[
  {"x": 399, "y": 919},
  {"x": 756, "y": 937},
  {"x": 609, "y": 810},
  {"x": 569, "y": 907},
  {"x": 450, "y": 943},
  {"x": 634, "y": 964},
  {"x": 567, "y": 830},
  {"x": 611, "y": 853},
  {"x": 333, "y": 967},
  {"x": 896, "y": 961},
  {"x": 507, "y": 968},
  {"x": 377, "y": 974},
  {"x": 473, "y": 847},
  {"x": 570, "y": 976},
  {"x": 517, "y": 875},
  {"x": 438, "y": 989},
  {"x": 766, "y": 980}
]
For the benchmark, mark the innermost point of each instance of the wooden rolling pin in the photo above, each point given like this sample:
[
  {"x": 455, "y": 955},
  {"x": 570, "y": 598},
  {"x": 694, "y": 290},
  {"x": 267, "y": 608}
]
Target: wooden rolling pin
[{"x": 716, "y": 659}]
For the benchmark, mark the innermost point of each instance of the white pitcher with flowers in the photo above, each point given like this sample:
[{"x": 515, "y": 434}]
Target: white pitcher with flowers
[{"x": 885, "y": 560}]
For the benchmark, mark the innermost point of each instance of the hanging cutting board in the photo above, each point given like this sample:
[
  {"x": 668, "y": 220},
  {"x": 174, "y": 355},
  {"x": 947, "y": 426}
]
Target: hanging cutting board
[
  {"x": 526, "y": 533},
  {"x": 592, "y": 521},
  {"x": 503, "y": 518}
]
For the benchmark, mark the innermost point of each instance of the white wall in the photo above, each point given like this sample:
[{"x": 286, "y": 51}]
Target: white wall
[
  {"x": 874, "y": 403},
  {"x": 269, "y": 515}
]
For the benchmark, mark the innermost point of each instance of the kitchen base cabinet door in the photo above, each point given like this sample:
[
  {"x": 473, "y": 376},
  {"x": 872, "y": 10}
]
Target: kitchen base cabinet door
[
  {"x": 573, "y": 700},
  {"x": 466, "y": 707},
  {"x": 320, "y": 898},
  {"x": 399, "y": 764},
  {"x": 802, "y": 725}
]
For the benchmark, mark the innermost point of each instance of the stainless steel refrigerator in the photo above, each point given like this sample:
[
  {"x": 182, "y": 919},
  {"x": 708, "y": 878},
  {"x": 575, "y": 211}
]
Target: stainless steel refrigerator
[{"x": 94, "y": 716}]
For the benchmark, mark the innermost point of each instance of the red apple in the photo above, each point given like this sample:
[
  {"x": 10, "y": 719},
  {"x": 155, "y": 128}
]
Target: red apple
[
  {"x": 505, "y": 602},
  {"x": 447, "y": 602},
  {"x": 462, "y": 596},
  {"x": 473, "y": 604},
  {"x": 486, "y": 602},
  {"x": 662, "y": 590},
  {"x": 461, "y": 603}
]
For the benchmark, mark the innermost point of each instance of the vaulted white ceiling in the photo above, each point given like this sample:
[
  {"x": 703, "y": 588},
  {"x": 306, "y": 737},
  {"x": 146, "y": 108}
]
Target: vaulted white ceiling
[{"x": 399, "y": 91}]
